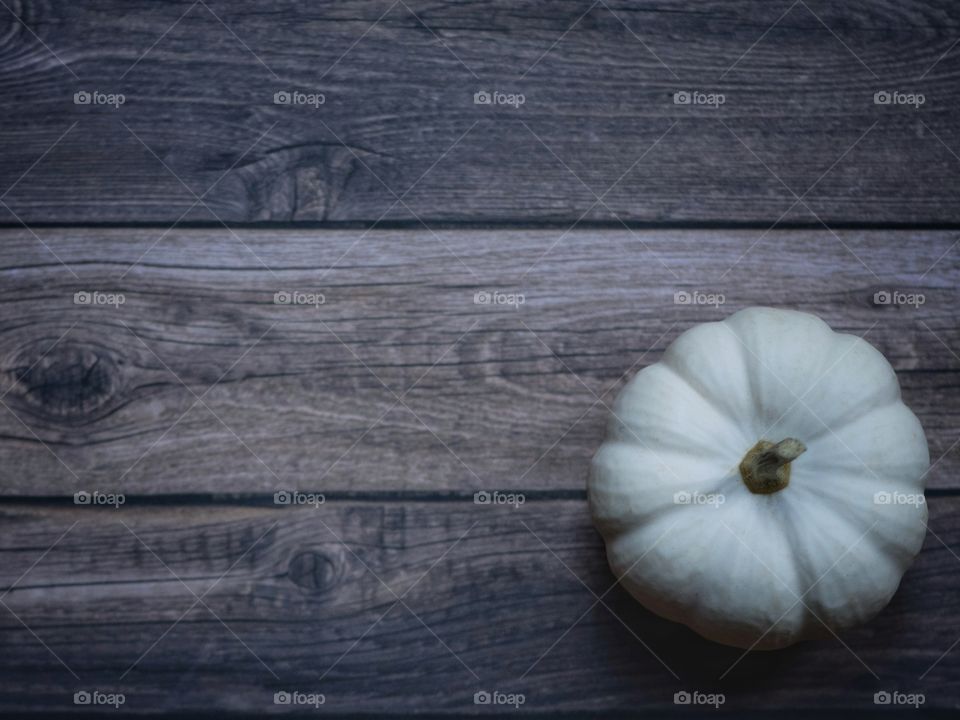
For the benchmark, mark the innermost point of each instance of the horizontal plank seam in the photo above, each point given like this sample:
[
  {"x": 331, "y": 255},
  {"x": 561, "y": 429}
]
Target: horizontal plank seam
[{"x": 503, "y": 224}]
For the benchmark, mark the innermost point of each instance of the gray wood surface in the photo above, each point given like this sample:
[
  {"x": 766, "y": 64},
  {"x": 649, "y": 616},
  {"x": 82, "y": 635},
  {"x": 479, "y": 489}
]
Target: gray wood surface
[
  {"x": 399, "y": 136},
  {"x": 492, "y": 599},
  {"x": 198, "y": 198},
  {"x": 200, "y": 383}
]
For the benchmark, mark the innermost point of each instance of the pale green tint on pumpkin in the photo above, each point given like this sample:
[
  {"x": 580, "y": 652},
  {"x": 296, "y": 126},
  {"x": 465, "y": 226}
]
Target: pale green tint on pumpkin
[{"x": 734, "y": 571}]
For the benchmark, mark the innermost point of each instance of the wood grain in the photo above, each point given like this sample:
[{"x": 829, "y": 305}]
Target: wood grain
[
  {"x": 399, "y": 137},
  {"x": 307, "y": 600},
  {"x": 200, "y": 383}
]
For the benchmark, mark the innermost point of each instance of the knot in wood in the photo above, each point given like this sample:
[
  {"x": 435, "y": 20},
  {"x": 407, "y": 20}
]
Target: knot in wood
[
  {"x": 315, "y": 571},
  {"x": 70, "y": 383}
]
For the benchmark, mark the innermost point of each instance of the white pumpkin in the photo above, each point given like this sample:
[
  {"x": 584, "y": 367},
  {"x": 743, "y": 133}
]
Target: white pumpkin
[{"x": 763, "y": 482}]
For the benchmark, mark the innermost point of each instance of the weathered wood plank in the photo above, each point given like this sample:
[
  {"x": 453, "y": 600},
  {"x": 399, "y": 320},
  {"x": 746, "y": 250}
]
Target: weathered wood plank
[
  {"x": 399, "y": 117},
  {"x": 304, "y": 599},
  {"x": 493, "y": 396}
]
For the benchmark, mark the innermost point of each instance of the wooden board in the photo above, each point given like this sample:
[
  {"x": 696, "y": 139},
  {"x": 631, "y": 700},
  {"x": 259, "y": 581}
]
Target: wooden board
[
  {"x": 401, "y": 380},
  {"x": 492, "y": 599},
  {"x": 399, "y": 137}
]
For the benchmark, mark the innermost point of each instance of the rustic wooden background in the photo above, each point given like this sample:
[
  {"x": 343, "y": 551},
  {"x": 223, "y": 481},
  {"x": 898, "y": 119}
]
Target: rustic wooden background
[{"x": 399, "y": 200}]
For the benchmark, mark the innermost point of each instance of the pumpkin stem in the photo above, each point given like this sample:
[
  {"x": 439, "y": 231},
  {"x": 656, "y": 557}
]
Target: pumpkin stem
[{"x": 765, "y": 468}]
